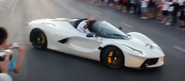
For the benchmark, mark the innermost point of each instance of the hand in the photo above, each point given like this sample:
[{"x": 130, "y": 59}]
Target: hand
[
  {"x": 22, "y": 49},
  {"x": 7, "y": 46},
  {"x": 4, "y": 65}
]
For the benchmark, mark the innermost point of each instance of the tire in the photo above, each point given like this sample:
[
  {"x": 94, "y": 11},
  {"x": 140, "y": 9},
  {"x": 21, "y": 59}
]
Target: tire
[
  {"x": 113, "y": 53},
  {"x": 39, "y": 39}
]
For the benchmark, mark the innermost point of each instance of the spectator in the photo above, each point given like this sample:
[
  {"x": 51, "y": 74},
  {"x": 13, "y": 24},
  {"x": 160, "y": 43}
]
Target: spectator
[
  {"x": 170, "y": 13},
  {"x": 144, "y": 9},
  {"x": 151, "y": 7},
  {"x": 156, "y": 10},
  {"x": 139, "y": 7},
  {"x": 120, "y": 4},
  {"x": 180, "y": 3},
  {"x": 3, "y": 44},
  {"x": 159, "y": 8},
  {"x": 130, "y": 6},
  {"x": 175, "y": 11},
  {"x": 165, "y": 11},
  {"x": 182, "y": 16},
  {"x": 124, "y": 4},
  {"x": 116, "y": 4},
  {"x": 104, "y": 2},
  {"x": 135, "y": 6},
  {"x": 110, "y": 2}
]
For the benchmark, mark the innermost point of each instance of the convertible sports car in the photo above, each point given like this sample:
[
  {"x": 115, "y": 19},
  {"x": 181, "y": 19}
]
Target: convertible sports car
[{"x": 110, "y": 45}]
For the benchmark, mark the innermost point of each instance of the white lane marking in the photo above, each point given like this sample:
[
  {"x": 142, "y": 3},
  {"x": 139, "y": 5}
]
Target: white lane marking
[
  {"x": 126, "y": 24},
  {"x": 179, "y": 48},
  {"x": 97, "y": 11}
]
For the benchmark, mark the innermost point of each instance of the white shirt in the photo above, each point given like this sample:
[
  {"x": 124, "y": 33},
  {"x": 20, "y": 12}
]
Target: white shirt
[
  {"x": 132, "y": 1},
  {"x": 143, "y": 3},
  {"x": 165, "y": 6},
  {"x": 5, "y": 77},
  {"x": 170, "y": 7},
  {"x": 81, "y": 27},
  {"x": 180, "y": 2}
]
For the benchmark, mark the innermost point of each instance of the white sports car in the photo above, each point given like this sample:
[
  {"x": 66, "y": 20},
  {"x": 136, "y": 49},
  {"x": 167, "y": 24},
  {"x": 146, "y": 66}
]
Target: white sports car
[{"x": 110, "y": 45}]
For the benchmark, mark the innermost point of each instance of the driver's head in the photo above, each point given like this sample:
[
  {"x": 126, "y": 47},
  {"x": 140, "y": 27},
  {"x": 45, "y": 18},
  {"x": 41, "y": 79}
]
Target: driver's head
[{"x": 90, "y": 24}]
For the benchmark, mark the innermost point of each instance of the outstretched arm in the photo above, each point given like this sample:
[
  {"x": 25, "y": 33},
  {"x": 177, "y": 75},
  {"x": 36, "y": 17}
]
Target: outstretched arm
[
  {"x": 92, "y": 18},
  {"x": 20, "y": 61}
]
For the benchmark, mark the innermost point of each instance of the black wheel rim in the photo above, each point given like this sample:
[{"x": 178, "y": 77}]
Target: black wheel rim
[
  {"x": 114, "y": 58},
  {"x": 38, "y": 39}
]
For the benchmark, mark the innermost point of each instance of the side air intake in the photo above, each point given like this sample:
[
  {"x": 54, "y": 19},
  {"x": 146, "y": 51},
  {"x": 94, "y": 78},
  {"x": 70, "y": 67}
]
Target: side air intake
[{"x": 63, "y": 40}]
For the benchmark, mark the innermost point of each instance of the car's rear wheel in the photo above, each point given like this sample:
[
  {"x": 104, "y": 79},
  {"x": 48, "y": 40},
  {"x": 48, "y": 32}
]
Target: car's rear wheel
[
  {"x": 38, "y": 39},
  {"x": 113, "y": 57}
]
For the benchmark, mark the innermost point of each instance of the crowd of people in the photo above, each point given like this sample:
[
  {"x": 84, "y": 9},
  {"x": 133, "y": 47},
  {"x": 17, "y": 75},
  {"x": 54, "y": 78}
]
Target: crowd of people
[{"x": 169, "y": 12}]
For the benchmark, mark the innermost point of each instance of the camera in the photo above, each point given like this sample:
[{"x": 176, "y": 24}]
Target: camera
[
  {"x": 5, "y": 52},
  {"x": 15, "y": 46}
]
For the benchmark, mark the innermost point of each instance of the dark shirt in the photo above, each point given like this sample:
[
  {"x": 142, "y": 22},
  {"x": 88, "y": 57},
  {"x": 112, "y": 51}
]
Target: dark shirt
[
  {"x": 176, "y": 7},
  {"x": 151, "y": 3},
  {"x": 182, "y": 10}
]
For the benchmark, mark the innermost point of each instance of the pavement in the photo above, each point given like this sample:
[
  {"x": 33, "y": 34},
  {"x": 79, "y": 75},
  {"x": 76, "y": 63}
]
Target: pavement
[
  {"x": 50, "y": 65},
  {"x": 5, "y": 8}
]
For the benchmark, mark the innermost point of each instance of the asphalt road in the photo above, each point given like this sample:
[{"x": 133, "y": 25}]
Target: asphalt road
[{"x": 49, "y": 65}]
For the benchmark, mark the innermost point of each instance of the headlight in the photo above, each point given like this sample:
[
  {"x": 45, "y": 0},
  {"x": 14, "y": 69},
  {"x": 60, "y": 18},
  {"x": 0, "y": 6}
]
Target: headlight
[{"x": 137, "y": 51}]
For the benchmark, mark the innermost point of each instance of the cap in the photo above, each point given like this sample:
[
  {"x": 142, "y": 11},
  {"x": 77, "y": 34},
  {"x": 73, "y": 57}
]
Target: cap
[{"x": 5, "y": 77}]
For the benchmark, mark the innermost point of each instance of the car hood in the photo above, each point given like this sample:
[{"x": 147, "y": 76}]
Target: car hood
[{"x": 141, "y": 46}]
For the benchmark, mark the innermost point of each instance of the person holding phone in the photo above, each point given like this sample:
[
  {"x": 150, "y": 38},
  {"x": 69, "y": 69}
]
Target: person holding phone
[{"x": 4, "y": 45}]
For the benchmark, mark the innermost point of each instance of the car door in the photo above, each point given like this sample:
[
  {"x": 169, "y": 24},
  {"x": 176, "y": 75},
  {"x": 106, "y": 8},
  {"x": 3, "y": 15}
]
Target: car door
[
  {"x": 78, "y": 43},
  {"x": 84, "y": 44}
]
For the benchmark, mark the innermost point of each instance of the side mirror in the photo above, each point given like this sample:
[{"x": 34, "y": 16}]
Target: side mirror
[
  {"x": 89, "y": 35},
  {"x": 120, "y": 28},
  {"x": 129, "y": 35}
]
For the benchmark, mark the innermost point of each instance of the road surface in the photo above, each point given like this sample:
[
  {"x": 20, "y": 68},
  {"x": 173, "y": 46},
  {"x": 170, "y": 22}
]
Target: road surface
[{"x": 49, "y": 65}]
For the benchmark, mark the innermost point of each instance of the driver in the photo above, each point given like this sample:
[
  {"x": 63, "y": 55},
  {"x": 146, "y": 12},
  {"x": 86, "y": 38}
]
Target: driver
[{"x": 85, "y": 25}]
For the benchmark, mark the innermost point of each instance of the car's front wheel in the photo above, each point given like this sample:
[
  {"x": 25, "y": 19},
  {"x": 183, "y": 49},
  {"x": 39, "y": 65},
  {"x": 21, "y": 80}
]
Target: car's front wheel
[
  {"x": 113, "y": 57},
  {"x": 38, "y": 39}
]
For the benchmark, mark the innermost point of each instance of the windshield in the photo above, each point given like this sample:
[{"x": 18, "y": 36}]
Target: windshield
[{"x": 106, "y": 29}]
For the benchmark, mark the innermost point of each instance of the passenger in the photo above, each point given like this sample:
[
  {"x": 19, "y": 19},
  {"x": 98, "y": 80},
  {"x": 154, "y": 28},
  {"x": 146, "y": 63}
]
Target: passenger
[{"x": 85, "y": 25}]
